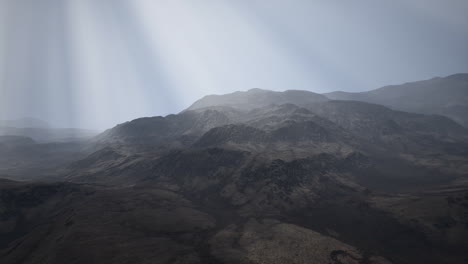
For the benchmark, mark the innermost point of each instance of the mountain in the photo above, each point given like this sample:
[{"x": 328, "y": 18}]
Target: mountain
[
  {"x": 256, "y": 98},
  {"x": 421, "y": 146},
  {"x": 446, "y": 96},
  {"x": 249, "y": 177},
  {"x": 42, "y": 132}
]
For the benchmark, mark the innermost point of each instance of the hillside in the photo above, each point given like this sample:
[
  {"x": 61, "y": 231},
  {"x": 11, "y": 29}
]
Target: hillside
[{"x": 275, "y": 180}]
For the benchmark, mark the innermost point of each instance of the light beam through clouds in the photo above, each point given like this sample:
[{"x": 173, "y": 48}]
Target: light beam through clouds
[
  {"x": 3, "y": 95},
  {"x": 96, "y": 63}
]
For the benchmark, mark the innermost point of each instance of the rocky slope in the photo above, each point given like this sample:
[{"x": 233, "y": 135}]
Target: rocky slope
[{"x": 253, "y": 177}]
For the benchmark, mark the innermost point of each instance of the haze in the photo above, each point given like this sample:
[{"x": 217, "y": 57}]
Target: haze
[{"x": 93, "y": 64}]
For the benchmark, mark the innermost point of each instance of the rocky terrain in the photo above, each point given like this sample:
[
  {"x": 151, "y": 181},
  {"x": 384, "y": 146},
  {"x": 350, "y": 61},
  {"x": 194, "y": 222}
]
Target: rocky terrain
[{"x": 249, "y": 177}]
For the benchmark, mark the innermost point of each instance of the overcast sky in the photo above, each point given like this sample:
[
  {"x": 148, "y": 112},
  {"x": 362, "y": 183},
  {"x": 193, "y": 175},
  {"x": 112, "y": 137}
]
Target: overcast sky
[{"x": 96, "y": 63}]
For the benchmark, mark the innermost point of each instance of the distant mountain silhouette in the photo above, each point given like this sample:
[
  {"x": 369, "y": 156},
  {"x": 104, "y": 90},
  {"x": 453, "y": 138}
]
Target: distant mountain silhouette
[
  {"x": 444, "y": 96},
  {"x": 256, "y": 98},
  {"x": 48, "y": 135},
  {"x": 31, "y": 149}
]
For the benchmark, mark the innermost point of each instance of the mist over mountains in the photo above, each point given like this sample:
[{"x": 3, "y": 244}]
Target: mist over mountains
[
  {"x": 42, "y": 131},
  {"x": 26, "y": 122},
  {"x": 251, "y": 177},
  {"x": 446, "y": 96},
  {"x": 31, "y": 147},
  {"x": 256, "y": 98}
]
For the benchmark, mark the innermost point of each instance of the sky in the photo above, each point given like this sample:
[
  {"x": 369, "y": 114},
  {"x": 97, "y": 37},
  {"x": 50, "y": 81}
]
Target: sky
[{"x": 96, "y": 63}]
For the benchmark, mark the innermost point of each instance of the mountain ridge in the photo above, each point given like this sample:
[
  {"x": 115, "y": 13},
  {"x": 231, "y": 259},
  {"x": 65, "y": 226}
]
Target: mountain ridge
[
  {"x": 447, "y": 96},
  {"x": 277, "y": 177},
  {"x": 256, "y": 97}
]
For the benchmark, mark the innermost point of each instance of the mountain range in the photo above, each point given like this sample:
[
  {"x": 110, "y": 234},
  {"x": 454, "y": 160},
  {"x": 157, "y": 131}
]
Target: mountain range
[
  {"x": 43, "y": 132},
  {"x": 249, "y": 177},
  {"x": 446, "y": 96}
]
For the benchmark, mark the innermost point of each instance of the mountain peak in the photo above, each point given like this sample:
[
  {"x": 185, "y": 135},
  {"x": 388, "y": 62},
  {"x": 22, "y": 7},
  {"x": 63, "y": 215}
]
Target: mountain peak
[
  {"x": 256, "y": 98},
  {"x": 257, "y": 90}
]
